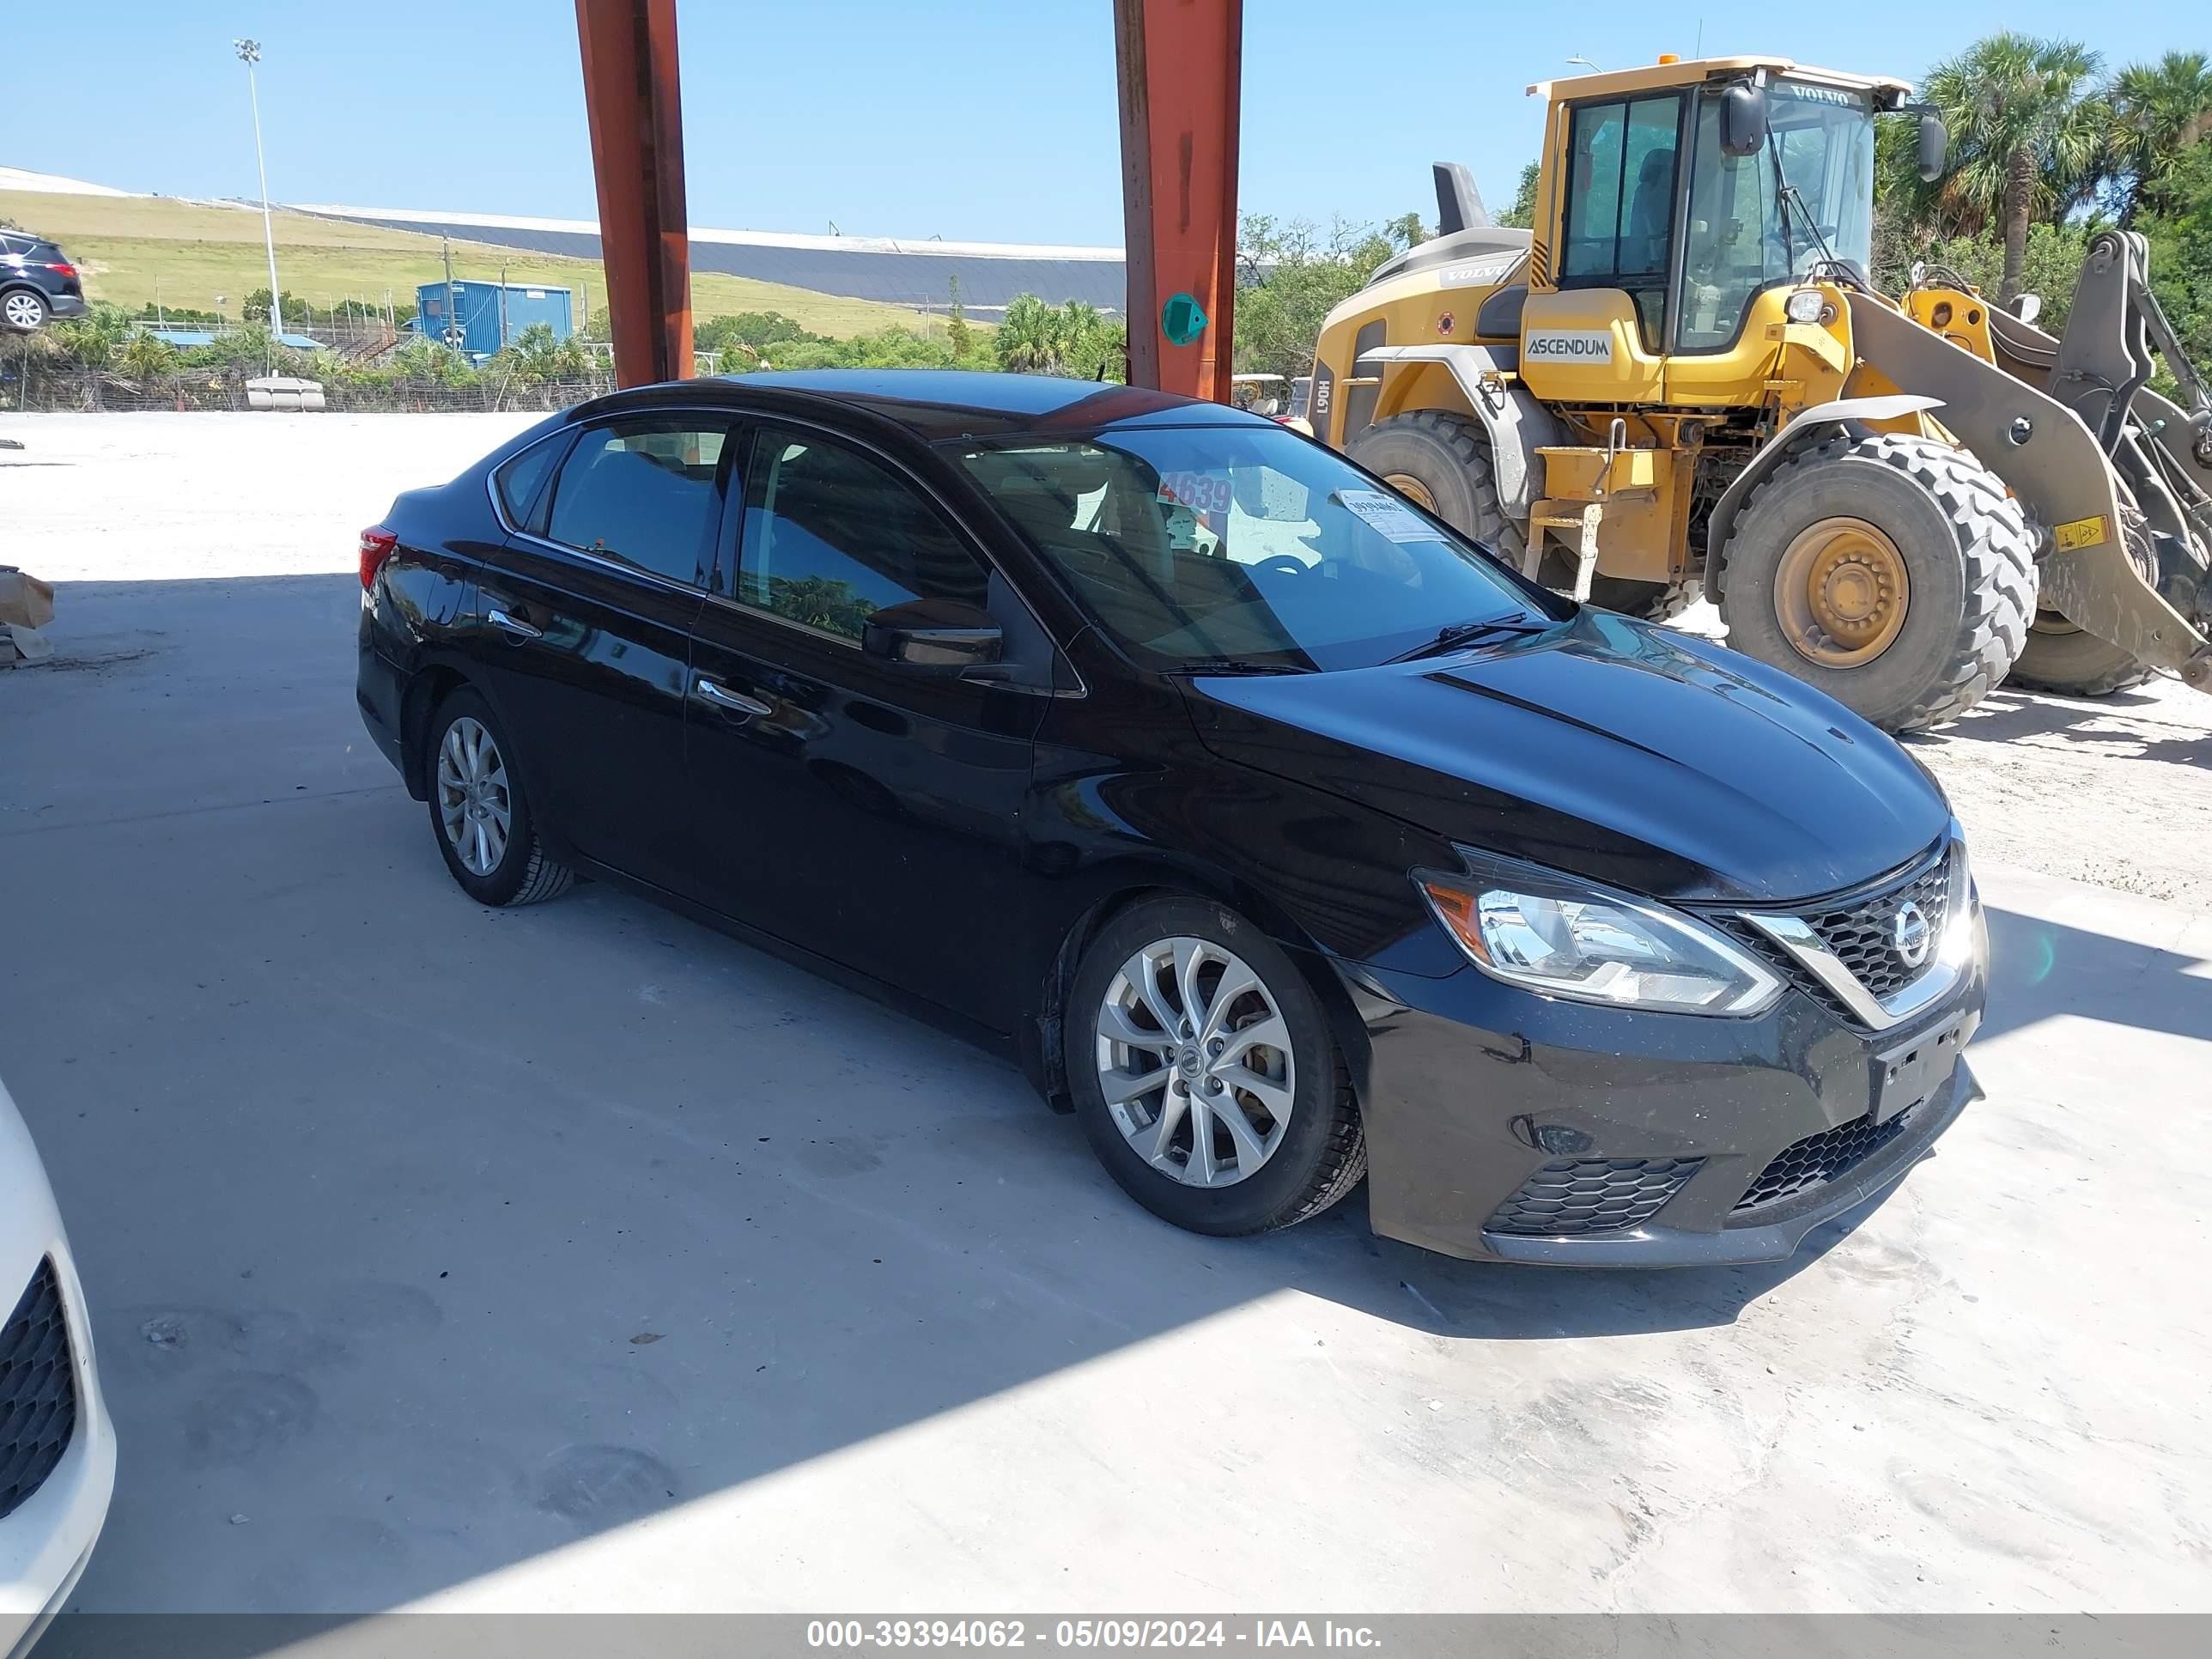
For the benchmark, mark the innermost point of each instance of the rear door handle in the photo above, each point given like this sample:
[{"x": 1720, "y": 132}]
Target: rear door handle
[
  {"x": 737, "y": 702},
  {"x": 514, "y": 625}
]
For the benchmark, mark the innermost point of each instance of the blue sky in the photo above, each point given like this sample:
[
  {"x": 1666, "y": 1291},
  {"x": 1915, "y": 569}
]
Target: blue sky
[{"x": 981, "y": 119}]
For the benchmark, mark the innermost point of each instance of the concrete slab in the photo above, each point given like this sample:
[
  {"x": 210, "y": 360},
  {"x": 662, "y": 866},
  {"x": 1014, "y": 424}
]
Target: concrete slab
[{"x": 580, "y": 1257}]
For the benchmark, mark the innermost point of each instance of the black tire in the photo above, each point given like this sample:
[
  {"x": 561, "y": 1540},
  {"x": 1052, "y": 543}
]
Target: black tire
[
  {"x": 1448, "y": 455},
  {"x": 2072, "y": 662},
  {"x": 1652, "y": 601},
  {"x": 525, "y": 873},
  {"x": 1969, "y": 557},
  {"x": 1322, "y": 1154},
  {"x": 24, "y": 311}
]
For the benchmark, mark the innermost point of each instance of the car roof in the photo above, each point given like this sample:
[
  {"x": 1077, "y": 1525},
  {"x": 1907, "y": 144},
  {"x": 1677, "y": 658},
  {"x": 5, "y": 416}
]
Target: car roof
[{"x": 933, "y": 405}]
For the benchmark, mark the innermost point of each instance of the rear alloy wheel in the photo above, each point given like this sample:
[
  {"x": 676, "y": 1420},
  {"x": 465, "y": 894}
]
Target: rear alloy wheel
[
  {"x": 1204, "y": 1074},
  {"x": 479, "y": 813},
  {"x": 23, "y": 310},
  {"x": 1894, "y": 572}
]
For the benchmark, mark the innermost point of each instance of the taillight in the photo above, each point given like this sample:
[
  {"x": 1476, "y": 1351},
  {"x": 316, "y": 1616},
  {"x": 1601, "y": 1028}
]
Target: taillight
[
  {"x": 376, "y": 545},
  {"x": 63, "y": 268}
]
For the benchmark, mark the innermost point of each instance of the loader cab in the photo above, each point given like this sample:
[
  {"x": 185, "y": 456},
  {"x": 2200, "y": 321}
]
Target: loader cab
[{"x": 1664, "y": 196}]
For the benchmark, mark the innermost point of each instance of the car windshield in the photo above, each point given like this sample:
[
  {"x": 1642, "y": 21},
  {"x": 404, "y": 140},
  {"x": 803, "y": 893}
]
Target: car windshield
[
  {"x": 1242, "y": 547},
  {"x": 1742, "y": 238}
]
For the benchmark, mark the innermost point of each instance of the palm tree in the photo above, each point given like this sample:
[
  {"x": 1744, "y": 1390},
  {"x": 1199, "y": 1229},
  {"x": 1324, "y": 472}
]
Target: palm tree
[
  {"x": 2158, "y": 113},
  {"x": 2027, "y": 137},
  {"x": 1030, "y": 338},
  {"x": 146, "y": 357}
]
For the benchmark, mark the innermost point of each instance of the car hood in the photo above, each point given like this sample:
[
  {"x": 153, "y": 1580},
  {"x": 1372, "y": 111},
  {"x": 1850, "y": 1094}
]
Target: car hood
[{"x": 1633, "y": 754}]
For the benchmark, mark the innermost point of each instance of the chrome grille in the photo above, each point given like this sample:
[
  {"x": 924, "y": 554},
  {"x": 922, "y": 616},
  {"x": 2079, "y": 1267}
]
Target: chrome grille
[
  {"x": 1863, "y": 935},
  {"x": 1852, "y": 939}
]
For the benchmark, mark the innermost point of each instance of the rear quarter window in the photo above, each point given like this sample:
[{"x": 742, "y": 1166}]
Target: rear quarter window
[{"x": 520, "y": 482}]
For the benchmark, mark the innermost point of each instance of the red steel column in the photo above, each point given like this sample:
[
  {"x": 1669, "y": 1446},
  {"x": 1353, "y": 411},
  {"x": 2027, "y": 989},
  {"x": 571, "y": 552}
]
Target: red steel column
[
  {"x": 1180, "y": 65},
  {"x": 637, "y": 154}
]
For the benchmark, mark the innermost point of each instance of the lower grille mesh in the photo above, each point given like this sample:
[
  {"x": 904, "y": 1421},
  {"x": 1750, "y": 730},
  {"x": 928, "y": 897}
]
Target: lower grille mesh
[
  {"x": 1820, "y": 1158},
  {"x": 38, "y": 1391},
  {"x": 1592, "y": 1195}
]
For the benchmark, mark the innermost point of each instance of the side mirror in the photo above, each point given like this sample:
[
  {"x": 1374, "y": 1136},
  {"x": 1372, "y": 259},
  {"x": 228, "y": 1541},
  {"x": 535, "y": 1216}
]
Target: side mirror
[
  {"x": 932, "y": 636},
  {"x": 1934, "y": 146},
  {"x": 1743, "y": 119}
]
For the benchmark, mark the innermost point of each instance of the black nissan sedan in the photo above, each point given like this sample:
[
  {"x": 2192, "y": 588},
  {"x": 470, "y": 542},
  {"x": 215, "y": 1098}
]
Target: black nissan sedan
[{"x": 1277, "y": 831}]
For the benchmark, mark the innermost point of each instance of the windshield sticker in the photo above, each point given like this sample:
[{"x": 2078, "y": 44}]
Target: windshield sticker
[
  {"x": 1204, "y": 492},
  {"x": 1387, "y": 516}
]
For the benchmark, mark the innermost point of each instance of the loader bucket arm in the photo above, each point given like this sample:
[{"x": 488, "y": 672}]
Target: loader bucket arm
[{"x": 2053, "y": 463}]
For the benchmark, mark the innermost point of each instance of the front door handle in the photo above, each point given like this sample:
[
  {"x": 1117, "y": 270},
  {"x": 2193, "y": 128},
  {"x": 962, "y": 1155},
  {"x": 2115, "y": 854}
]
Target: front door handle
[
  {"x": 737, "y": 702},
  {"x": 514, "y": 625}
]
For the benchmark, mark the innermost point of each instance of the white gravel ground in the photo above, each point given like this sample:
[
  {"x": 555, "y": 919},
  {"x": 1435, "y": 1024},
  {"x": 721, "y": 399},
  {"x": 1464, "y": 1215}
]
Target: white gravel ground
[{"x": 2116, "y": 792}]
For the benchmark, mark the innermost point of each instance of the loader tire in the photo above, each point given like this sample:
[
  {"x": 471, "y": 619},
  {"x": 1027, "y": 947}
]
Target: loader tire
[
  {"x": 2072, "y": 662},
  {"x": 2064, "y": 657},
  {"x": 1652, "y": 601},
  {"x": 1442, "y": 462},
  {"x": 1910, "y": 550}
]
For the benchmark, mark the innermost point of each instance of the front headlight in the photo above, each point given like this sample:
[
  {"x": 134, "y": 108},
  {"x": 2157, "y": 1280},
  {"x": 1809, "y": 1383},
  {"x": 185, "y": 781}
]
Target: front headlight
[{"x": 1553, "y": 933}]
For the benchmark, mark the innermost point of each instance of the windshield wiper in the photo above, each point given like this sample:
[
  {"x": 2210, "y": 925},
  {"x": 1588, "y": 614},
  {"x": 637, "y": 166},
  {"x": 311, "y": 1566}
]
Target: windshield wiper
[
  {"x": 1453, "y": 635},
  {"x": 1238, "y": 666}
]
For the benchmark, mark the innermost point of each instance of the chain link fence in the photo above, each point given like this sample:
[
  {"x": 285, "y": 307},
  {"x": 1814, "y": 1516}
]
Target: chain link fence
[{"x": 34, "y": 387}]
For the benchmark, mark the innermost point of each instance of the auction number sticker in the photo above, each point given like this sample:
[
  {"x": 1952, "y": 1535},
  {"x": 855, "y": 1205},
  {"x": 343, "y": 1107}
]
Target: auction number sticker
[{"x": 1202, "y": 492}]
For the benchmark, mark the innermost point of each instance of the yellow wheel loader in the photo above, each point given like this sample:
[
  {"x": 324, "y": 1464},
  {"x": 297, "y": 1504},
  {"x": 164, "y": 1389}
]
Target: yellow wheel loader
[{"x": 1682, "y": 381}]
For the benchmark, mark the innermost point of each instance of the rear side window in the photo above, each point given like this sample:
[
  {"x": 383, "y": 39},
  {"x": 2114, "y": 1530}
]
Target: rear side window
[
  {"x": 830, "y": 538},
  {"x": 647, "y": 493},
  {"x": 521, "y": 481}
]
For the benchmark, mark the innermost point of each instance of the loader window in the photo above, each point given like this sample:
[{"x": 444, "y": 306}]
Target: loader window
[
  {"x": 1740, "y": 241},
  {"x": 1620, "y": 201}
]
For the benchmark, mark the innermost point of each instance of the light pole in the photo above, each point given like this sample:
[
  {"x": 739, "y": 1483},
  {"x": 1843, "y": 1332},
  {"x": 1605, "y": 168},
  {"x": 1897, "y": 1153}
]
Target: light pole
[{"x": 249, "y": 53}]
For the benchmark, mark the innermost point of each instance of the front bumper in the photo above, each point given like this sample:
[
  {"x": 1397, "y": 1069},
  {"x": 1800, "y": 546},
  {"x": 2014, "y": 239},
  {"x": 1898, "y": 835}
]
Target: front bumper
[{"x": 1474, "y": 1092}]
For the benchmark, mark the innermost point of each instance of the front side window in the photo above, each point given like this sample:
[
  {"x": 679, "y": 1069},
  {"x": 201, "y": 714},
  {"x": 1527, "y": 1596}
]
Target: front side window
[
  {"x": 1620, "y": 201},
  {"x": 831, "y": 537},
  {"x": 1743, "y": 236},
  {"x": 1200, "y": 545},
  {"x": 645, "y": 493}
]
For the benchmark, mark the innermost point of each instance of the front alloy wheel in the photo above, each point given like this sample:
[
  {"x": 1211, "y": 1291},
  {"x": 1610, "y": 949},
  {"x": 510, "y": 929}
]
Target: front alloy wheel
[
  {"x": 1203, "y": 1070},
  {"x": 1194, "y": 1062}
]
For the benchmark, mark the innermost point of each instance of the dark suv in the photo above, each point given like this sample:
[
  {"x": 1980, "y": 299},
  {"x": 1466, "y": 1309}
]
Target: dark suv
[{"x": 37, "y": 282}]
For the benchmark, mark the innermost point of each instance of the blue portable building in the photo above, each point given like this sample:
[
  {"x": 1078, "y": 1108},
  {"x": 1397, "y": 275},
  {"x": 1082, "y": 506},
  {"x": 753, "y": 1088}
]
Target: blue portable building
[{"x": 481, "y": 318}]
